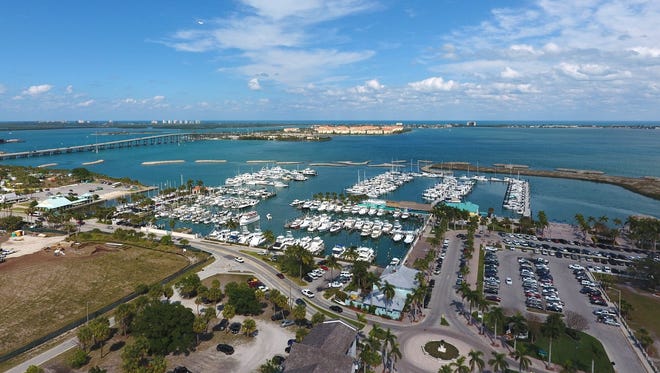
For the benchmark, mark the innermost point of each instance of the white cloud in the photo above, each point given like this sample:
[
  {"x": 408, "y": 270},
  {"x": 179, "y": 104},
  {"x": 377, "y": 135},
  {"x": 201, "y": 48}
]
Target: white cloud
[
  {"x": 509, "y": 73},
  {"x": 69, "y": 89},
  {"x": 278, "y": 40},
  {"x": 36, "y": 90},
  {"x": 591, "y": 71},
  {"x": 3, "y": 89},
  {"x": 254, "y": 85},
  {"x": 129, "y": 101},
  {"x": 369, "y": 86},
  {"x": 158, "y": 98},
  {"x": 646, "y": 51},
  {"x": 433, "y": 84},
  {"x": 86, "y": 103}
]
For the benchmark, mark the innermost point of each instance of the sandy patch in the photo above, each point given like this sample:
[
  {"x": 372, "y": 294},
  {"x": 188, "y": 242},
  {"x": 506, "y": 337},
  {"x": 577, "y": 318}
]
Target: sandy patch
[{"x": 31, "y": 244}]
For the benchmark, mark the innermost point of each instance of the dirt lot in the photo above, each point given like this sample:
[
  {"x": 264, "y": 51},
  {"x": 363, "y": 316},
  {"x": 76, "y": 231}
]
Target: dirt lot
[{"x": 41, "y": 291}]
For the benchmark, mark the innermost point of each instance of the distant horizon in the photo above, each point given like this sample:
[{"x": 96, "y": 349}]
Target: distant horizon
[
  {"x": 332, "y": 121},
  {"x": 247, "y": 60}
]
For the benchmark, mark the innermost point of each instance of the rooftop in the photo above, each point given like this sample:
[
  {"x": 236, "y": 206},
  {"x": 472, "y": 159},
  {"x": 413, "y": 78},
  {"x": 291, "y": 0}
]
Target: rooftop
[{"x": 324, "y": 349}]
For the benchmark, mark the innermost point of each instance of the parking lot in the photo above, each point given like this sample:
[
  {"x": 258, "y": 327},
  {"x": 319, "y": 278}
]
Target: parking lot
[{"x": 568, "y": 290}]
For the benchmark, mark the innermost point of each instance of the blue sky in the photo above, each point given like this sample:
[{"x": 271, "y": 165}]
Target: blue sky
[{"x": 330, "y": 60}]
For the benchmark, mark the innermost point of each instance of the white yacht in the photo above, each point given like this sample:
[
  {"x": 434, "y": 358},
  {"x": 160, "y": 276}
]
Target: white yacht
[
  {"x": 248, "y": 217},
  {"x": 338, "y": 251}
]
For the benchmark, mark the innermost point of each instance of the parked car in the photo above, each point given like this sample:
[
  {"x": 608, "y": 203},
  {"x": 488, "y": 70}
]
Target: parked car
[
  {"x": 287, "y": 323},
  {"x": 299, "y": 302},
  {"x": 337, "y": 309},
  {"x": 279, "y": 315},
  {"x": 493, "y": 298},
  {"x": 235, "y": 327},
  {"x": 227, "y": 349},
  {"x": 222, "y": 325}
]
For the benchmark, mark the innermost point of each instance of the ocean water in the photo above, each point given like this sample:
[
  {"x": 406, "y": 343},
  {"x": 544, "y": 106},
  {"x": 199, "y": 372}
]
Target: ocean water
[{"x": 617, "y": 151}]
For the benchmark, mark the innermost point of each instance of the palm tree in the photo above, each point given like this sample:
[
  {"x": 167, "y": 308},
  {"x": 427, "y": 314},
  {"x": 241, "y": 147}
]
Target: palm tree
[
  {"x": 482, "y": 305},
  {"x": 498, "y": 362},
  {"x": 395, "y": 355},
  {"x": 552, "y": 328},
  {"x": 388, "y": 291},
  {"x": 497, "y": 316},
  {"x": 460, "y": 366},
  {"x": 523, "y": 361},
  {"x": 269, "y": 236},
  {"x": 445, "y": 369},
  {"x": 472, "y": 298},
  {"x": 351, "y": 253},
  {"x": 249, "y": 326},
  {"x": 476, "y": 360},
  {"x": 370, "y": 280},
  {"x": 517, "y": 324},
  {"x": 333, "y": 263},
  {"x": 389, "y": 339}
]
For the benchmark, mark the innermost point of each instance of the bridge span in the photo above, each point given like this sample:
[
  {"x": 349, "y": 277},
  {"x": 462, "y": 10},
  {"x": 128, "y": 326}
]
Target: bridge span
[{"x": 117, "y": 144}]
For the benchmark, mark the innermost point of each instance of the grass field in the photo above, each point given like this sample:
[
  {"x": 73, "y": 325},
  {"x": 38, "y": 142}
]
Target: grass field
[
  {"x": 42, "y": 292},
  {"x": 580, "y": 352},
  {"x": 644, "y": 312}
]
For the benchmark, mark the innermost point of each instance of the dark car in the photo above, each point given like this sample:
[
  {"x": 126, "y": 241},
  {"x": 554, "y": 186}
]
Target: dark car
[
  {"x": 493, "y": 298},
  {"x": 222, "y": 325},
  {"x": 181, "y": 369},
  {"x": 227, "y": 349},
  {"x": 280, "y": 275},
  {"x": 280, "y": 315},
  {"x": 301, "y": 302},
  {"x": 337, "y": 309},
  {"x": 235, "y": 327}
]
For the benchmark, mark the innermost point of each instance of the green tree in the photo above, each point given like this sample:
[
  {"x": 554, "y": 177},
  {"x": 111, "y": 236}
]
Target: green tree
[
  {"x": 460, "y": 365},
  {"x": 124, "y": 314},
  {"x": 318, "y": 318},
  {"x": 200, "y": 326},
  {"x": 100, "y": 331},
  {"x": 97, "y": 369},
  {"x": 524, "y": 362},
  {"x": 517, "y": 324},
  {"x": 476, "y": 360},
  {"x": 268, "y": 367},
  {"x": 228, "y": 312},
  {"x": 445, "y": 369},
  {"x": 333, "y": 263},
  {"x": 34, "y": 369},
  {"x": 78, "y": 358},
  {"x": 297, "y": 260},
  {"x": 552, "y": 328},
  {"x": 189, "y": 285},
  {"x": 498, "y": 362},
  {"x": 299, "y": 312},
  {"x": 496, "y": 316},
  {"x": 243, "y": 298},
  {"x": 168, "y": 327},
  {"x": 389, "y": 292},
  {"x": 249, "y": 326},
  {"x": 134, "y": 355},
  {"x": 85, "y": 337}
]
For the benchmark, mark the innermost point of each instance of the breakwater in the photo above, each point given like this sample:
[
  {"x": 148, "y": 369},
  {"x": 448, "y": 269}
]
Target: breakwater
[{"x": 648, "y": 186}]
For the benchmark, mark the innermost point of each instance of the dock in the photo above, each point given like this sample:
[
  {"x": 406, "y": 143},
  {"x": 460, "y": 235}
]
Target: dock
[{"x": 118, "y": 144}]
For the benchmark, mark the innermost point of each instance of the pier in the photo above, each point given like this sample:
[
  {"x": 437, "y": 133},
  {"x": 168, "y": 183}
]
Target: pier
[{"x": 118, "y": 144}]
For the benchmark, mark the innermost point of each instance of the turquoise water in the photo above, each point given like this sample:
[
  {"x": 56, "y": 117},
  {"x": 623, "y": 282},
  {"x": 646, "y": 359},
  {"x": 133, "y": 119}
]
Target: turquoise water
[{"x": 618, "y": 151}]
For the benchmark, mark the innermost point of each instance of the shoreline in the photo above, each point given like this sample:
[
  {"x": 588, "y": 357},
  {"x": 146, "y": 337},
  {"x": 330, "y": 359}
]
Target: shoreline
[{"x": 646, "y": 185}]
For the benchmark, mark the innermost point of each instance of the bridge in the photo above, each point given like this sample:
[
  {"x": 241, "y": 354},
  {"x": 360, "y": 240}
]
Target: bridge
[{"x": 118, "y": 144}]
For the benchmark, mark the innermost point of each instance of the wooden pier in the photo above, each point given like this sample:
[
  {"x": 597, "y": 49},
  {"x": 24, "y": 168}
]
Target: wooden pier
[{"x": 118, "y": 144}]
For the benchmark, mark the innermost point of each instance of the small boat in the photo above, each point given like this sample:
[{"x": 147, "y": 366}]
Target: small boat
[
  {"x": 395, "y": 261},
  {"x": 398, "y": 236},
  {"x": 269, "y": 216},
  {"x": 410, "y": 237}
]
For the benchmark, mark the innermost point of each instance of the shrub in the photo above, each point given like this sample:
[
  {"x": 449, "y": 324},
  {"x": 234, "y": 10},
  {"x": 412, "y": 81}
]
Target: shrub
[{"x": 78, "y": 358}]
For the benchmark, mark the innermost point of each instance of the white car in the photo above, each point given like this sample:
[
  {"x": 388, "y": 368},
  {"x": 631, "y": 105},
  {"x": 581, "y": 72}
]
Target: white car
[
  {"x": 239, "y": 259},
  {"x": 308, "y": 293},
  {"x": 509, "y": 281},
  {"x": 335, "y": 284},
  {"x": 575, "y": 266}
]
